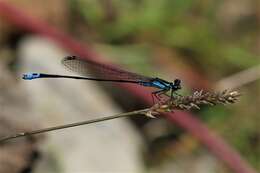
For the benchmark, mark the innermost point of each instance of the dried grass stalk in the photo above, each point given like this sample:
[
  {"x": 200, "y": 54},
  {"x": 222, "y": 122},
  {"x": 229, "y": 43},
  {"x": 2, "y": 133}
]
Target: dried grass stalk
[{"x": 194, "y": 101}]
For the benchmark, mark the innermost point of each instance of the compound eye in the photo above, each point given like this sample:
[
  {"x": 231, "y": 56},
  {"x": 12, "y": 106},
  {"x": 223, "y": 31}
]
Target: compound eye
[{"x": 177, "y": 81}]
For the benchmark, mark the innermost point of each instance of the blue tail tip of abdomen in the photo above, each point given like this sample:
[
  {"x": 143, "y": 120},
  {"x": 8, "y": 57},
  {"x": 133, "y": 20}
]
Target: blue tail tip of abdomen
[{"x": 30, "y": 76}]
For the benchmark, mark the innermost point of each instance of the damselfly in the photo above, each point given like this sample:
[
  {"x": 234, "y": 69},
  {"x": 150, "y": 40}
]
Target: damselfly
[{"x": 106, "y": 73}]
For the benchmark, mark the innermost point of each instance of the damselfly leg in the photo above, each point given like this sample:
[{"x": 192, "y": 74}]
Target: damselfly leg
[{"x": 157, "y": 94}]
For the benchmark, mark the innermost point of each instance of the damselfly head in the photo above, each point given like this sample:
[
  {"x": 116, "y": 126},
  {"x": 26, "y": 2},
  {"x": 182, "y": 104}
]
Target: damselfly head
[{"x": 177, "y": 84}]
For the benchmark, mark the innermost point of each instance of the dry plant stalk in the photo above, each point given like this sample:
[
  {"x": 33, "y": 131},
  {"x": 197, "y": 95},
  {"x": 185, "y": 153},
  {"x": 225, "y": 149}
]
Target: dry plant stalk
[{"x": 195, "y": 100}]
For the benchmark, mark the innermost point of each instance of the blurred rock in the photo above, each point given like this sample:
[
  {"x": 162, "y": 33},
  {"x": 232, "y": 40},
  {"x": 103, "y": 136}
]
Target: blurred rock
[
  {"x": 14, "y": 118},
  {"x": 112, "y": 146}
]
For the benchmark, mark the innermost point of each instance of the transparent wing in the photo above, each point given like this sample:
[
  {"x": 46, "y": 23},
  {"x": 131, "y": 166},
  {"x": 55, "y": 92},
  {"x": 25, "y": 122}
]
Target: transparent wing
[{"x": 84, "y": 67}]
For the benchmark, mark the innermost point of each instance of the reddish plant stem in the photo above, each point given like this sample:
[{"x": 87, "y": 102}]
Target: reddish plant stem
[
  {"x": 214, "y": 143},
  {"x": 184, "y": 119}
]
